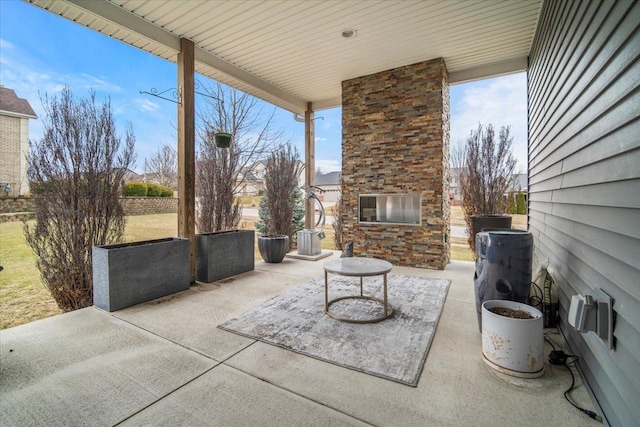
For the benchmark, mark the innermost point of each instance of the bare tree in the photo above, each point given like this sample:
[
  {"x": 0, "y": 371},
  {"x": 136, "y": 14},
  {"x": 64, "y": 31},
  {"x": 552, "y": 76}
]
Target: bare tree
[
  {"x": 486, "y": 173},
  {"x": 221, "y": 171},
  {"x": 457, "y": 155},
  {"x": 164, "y": 164},
  {"x": 74, "y": 173}
]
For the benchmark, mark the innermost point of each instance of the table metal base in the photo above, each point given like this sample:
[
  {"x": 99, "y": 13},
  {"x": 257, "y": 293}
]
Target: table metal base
[{"x": 388, "y": 310}]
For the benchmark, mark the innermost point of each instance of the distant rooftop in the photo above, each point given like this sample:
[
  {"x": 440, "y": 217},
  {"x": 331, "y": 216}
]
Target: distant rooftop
[
  {"x": 12, "y": 105},
  {"x": 330, "y": 178}
]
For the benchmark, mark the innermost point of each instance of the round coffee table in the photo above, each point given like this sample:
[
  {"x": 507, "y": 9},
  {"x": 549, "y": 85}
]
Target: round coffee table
[{"x": 357, "y": 267}]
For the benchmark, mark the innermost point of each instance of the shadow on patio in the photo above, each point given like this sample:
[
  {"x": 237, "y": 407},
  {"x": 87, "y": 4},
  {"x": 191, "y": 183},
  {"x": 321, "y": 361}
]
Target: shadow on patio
[{"x": 166, "y": 363}]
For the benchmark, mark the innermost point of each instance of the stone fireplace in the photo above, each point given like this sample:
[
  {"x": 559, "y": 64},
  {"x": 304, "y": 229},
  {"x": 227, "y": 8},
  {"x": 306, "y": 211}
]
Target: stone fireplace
[{"x": 395, "y": 155}]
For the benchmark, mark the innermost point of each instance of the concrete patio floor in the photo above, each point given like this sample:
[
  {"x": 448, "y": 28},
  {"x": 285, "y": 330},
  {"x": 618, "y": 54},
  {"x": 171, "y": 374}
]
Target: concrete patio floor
[{"x": 166, "y": 363}]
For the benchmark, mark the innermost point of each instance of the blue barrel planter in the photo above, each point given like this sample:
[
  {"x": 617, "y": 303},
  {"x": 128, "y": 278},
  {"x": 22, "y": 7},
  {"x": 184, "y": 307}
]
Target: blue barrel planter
[{"x": 503, "y": 267}]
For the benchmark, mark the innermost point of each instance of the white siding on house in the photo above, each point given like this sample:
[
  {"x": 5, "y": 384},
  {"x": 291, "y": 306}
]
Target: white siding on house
[{"x": 584, "y": 180}]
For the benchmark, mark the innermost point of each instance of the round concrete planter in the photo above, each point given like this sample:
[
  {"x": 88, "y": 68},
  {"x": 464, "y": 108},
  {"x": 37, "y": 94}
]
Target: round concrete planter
[
  {"x": 513, "y": 346},
  {"x": 273, "y": 248}
]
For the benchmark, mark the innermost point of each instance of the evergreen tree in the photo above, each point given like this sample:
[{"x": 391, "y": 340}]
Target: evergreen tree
[
  {"x": 263, "y": 214},
  {"x": 521, "y": 204},
  {"x": 298, "y": 213}
]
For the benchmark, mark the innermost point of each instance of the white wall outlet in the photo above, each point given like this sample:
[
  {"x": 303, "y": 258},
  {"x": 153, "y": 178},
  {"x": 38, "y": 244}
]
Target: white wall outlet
[
  {"x": 593, "y": 314},
  {"x": 582, "y": 314}
]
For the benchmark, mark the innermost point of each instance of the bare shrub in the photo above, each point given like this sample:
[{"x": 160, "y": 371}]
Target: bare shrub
[
  {"x": 216, "y": 185},
  {"x": 221, "y": 171},
  {"x": 279, "y": 198},
  {"x": 486, "y": 173},
  {"x": 74, "y": 172}
]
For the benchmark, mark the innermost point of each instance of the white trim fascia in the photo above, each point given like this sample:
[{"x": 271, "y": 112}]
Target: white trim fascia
[
  {"x": 495, "y": 69},
  {"x": 14, "y": 114},
  {"x": 325, "y": 104}
]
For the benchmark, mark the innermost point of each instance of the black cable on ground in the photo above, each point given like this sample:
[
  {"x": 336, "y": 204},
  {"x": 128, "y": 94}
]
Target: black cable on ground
[
  {"x": 550, "y": 342},
  {"x": 591, "y": 414},
  {"x": 559, "y": 357}
]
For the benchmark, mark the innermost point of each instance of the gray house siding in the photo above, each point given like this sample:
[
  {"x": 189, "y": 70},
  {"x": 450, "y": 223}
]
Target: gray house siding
[{"x": 584, "y": 180}]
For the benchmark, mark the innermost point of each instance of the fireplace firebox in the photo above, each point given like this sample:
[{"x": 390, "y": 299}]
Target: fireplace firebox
[{"x": 390, "y": 208}]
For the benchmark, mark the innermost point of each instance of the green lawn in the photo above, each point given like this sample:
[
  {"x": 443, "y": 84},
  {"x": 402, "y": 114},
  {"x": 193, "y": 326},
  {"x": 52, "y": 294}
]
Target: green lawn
[
  {"x": 461, "y": 253},
  {"x": 23, "y": 297}
]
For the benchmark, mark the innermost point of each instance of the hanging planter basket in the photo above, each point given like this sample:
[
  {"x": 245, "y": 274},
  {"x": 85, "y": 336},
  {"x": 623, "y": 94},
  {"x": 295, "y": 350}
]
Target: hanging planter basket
[{"x": 223, "y": 140}]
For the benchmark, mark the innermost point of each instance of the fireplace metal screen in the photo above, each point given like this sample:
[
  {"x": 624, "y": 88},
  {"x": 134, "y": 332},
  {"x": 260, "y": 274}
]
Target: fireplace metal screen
[{"x": 390, "y": 208}]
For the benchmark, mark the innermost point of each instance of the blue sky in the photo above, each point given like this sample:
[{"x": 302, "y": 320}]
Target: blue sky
[{"x": 41, "y": 53}]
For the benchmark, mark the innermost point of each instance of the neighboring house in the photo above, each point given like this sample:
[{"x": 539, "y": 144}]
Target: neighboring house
[
  {"x": 454, "y": 186},
  {"x": 520, "y": 181},
  {"x": 250, "y": 184},
  {"x": 330, "y": 183},
  {"x": 455, "y": 192},
  {"x": 131, "y": 176},
  {"x": 14, "y": 142},
  {"x": 157, "y": 178},
  {"x": 251, "y": 180}
]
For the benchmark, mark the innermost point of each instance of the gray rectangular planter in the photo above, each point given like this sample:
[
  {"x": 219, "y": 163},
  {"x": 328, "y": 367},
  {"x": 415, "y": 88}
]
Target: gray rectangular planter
[
  {"x": 132, "y": 273},
  {"x": 224, "y": 254}
]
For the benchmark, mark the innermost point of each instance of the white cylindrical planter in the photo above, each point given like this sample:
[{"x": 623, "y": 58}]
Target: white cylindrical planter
[{"x": 513, "y": 346}]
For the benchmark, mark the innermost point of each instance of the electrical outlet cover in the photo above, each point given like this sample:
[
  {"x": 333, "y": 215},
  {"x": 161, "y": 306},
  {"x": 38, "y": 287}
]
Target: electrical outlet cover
[{"x": 604, "y": 326}]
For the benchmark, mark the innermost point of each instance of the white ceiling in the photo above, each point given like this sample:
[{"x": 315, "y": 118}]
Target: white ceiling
[{"x": 291, "y": 52}]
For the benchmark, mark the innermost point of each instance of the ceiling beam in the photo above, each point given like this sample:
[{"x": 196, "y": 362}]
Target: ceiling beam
[{"x": 123, "y": 18}]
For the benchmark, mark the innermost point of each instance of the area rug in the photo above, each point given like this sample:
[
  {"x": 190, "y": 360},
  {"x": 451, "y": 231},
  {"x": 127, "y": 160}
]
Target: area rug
[{"x": 395, "y": 348}]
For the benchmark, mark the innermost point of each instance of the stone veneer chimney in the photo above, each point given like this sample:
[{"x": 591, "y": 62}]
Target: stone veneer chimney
[{"x": 395, "y": 140}]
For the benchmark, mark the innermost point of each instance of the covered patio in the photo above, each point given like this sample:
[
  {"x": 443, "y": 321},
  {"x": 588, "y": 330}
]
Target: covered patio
[
  {"x": 387, "y": 64},
  {"x": 166, "y": 363}
]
